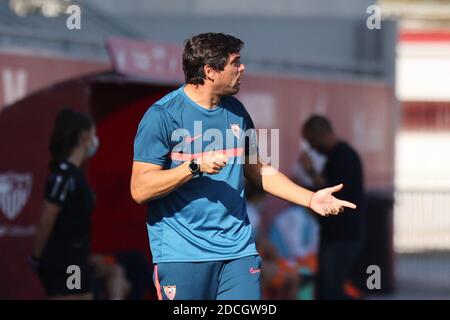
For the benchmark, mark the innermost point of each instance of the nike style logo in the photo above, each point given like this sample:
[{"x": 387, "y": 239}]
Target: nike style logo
[
  {"x": 190, "y": 139},
  {"x": 178, "y": 156},
  {"x": 252, "y": 270}
]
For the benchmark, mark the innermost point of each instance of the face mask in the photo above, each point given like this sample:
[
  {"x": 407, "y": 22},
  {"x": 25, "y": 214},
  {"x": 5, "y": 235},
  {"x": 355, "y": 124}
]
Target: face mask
[{"x": 93, "y": 147}]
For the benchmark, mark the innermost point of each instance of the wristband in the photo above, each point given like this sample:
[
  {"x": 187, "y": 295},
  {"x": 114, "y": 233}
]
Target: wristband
[{"x": 310, "y": 199}]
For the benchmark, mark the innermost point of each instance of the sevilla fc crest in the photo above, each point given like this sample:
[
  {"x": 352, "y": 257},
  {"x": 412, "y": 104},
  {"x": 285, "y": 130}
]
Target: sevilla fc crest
[
  {"x": 14, "y": 193},
  {"x": 170, "y": 291},
  {"x": 236, "y": 130}
]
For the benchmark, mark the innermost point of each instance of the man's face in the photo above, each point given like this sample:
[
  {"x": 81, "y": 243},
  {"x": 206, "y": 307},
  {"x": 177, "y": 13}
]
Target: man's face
[
  {"x": 227, "y": 82},
  {"x": 315, "y": 142}
]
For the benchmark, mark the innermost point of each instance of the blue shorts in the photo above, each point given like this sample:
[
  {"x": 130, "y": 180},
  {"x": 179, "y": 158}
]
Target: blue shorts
[{"x": 237, "y": 279}]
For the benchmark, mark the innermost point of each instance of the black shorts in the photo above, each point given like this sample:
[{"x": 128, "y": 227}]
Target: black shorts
[{"x": 63, "y": 280}]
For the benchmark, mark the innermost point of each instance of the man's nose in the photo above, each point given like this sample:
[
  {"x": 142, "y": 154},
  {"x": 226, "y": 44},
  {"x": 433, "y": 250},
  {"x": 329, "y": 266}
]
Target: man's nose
[{"x": 241, "y": 67}]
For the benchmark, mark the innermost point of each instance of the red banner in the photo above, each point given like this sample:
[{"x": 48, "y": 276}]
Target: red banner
[
  {"x": 151, "y": 60},
  {"x": 23, "y": 74}
]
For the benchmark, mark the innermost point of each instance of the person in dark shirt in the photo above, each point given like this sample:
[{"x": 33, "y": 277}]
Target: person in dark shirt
[
  {"x": 63, "y": 236},
  {"x": 341, "y": 236}
]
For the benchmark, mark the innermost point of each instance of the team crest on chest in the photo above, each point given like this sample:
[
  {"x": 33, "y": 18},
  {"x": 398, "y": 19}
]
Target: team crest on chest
[
  {"x": 170, "y": 291},
  {"x": 236, "y": 130}
]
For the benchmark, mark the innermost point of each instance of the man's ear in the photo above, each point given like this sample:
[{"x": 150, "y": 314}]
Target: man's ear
[{"x": 209, "y": 72}]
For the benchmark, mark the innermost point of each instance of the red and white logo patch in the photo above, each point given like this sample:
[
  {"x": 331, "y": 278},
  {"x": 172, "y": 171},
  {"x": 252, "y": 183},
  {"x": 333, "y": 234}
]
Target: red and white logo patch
[
  {"x": 15, "y": 190},
  {"x": 170, "y": 291},
  {"x": 236, "y": 130}
]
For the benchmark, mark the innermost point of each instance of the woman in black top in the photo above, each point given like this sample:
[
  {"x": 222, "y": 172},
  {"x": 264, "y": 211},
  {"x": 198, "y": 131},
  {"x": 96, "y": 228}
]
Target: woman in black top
[{"x": 62, "y": 244}]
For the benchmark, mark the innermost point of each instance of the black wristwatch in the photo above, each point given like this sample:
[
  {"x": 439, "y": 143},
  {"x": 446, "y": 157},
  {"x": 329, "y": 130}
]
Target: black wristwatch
[{"x": 194, "y": 167}]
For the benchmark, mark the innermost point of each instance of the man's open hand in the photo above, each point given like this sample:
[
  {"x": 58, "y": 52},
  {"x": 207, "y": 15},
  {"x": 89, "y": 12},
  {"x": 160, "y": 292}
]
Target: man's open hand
[{"x": 323, "y": 202}]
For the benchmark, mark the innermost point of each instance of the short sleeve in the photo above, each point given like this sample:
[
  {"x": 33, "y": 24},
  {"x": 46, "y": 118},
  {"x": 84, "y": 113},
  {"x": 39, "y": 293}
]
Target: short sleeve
[
  {"x": 152, "y": 141},
  {"x": 58, "y": 187}
]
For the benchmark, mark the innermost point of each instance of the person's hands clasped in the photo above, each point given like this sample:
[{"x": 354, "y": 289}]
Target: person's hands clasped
[
  {"x": 212, "y": 162},
  {"x": 325, "y": 204}
]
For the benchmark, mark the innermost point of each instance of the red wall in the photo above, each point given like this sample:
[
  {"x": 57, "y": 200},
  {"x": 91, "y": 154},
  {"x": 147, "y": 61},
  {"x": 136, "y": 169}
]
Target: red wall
[
  {"x": 118, "y": 222},
  {"x": 25, "y": 130},
  {"x": 363, "y": 113},
  {"x": 28, "y": 73}
]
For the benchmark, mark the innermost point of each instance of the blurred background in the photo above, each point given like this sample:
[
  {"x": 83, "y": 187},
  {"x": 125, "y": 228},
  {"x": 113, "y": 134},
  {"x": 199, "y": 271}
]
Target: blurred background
[{"x": 386, "y": 90}]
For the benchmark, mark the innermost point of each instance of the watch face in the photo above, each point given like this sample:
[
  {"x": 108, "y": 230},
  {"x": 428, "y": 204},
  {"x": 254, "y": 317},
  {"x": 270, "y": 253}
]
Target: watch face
[{"x": 194, "y": 166}]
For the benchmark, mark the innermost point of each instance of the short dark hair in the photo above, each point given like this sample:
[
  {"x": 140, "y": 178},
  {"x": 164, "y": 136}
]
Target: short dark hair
[
  {"x": 317, "y": 125},
  {"x": 66, "y": 133},
  {"x": 211, "y": 49}
]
